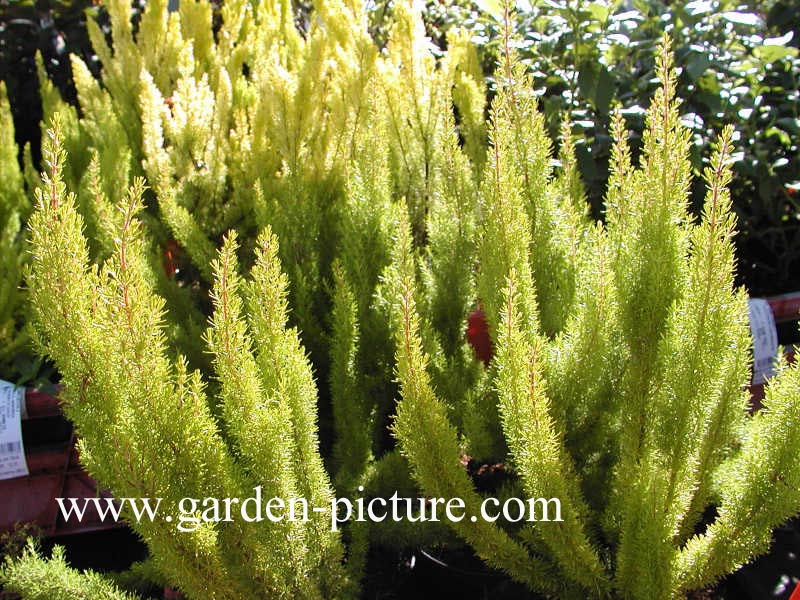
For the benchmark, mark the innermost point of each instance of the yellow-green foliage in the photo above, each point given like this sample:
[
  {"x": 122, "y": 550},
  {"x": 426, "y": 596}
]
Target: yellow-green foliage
[
  {"x": 372, "y": 222},
  {"x": 14, "y": 209},
  {"x": 38, "y": 578},
  {"x": 619, "y": 373},
  {"x": 145, "y": 421}
]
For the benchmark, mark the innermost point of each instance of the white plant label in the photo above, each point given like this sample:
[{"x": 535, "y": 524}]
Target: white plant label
[
  {"x": 765, "y": 339},
  {"x": 12, "y": 452}
]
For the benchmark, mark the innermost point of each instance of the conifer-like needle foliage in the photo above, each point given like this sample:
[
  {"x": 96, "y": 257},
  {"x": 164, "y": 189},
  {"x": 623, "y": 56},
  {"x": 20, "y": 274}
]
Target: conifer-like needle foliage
[
  {"x": 37, "y": 578},
  {"x": 14, "y": 209},
  {"x": 253, "y": 257},
  {"x": 145, "y": 420},
  {"x": 630, "y": 408}
]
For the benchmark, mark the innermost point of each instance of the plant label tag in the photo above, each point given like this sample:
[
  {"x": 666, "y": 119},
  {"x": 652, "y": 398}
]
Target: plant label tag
[
  {"x": 12, "y": 452},
  {"x": 765, "y": 339}
]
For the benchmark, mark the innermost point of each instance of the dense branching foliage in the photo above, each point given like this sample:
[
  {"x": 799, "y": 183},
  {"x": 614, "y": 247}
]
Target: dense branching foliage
[
  {"x": 13, "y": 210},
  {"x": 631, "y": 411},
  {"x": 341, "y": 212},
  {"x": 737, "y": 63},
  {"x": 16, "y": 361},
  {"x": 40, "y": 578}
]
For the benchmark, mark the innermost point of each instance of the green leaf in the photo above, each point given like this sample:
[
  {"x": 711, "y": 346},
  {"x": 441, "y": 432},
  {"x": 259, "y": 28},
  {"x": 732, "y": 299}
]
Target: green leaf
[
  {"x": 769, "y": 54},
  {"x": 604, "y": 91},
  {"x": 784, "y": 138},
  {"x": 587, "y": 79},
  {"x": 493, "y": 8},
  {"x": 628, "y": 15},
  {"x": 599, "y": 11},
  {"x": 698, "y": 7},
  {"x": 696, "y": 65},
  {"x": 789, "y": 124},
  {"x": 779, "y": 41},
  {"x": 743, "y": 18},
  {"x": 781, "y": 162}
]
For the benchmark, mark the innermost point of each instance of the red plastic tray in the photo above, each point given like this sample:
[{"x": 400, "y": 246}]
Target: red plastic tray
[
  {"x": 54, "y": 472},
  {"x": 785, "y": 307}
]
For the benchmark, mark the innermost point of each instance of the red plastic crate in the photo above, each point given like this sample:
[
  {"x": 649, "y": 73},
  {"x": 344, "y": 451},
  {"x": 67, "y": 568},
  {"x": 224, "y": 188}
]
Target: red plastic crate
[
  {"x": 54, "y": 472},
  {"x": 785, "y": 307}
]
